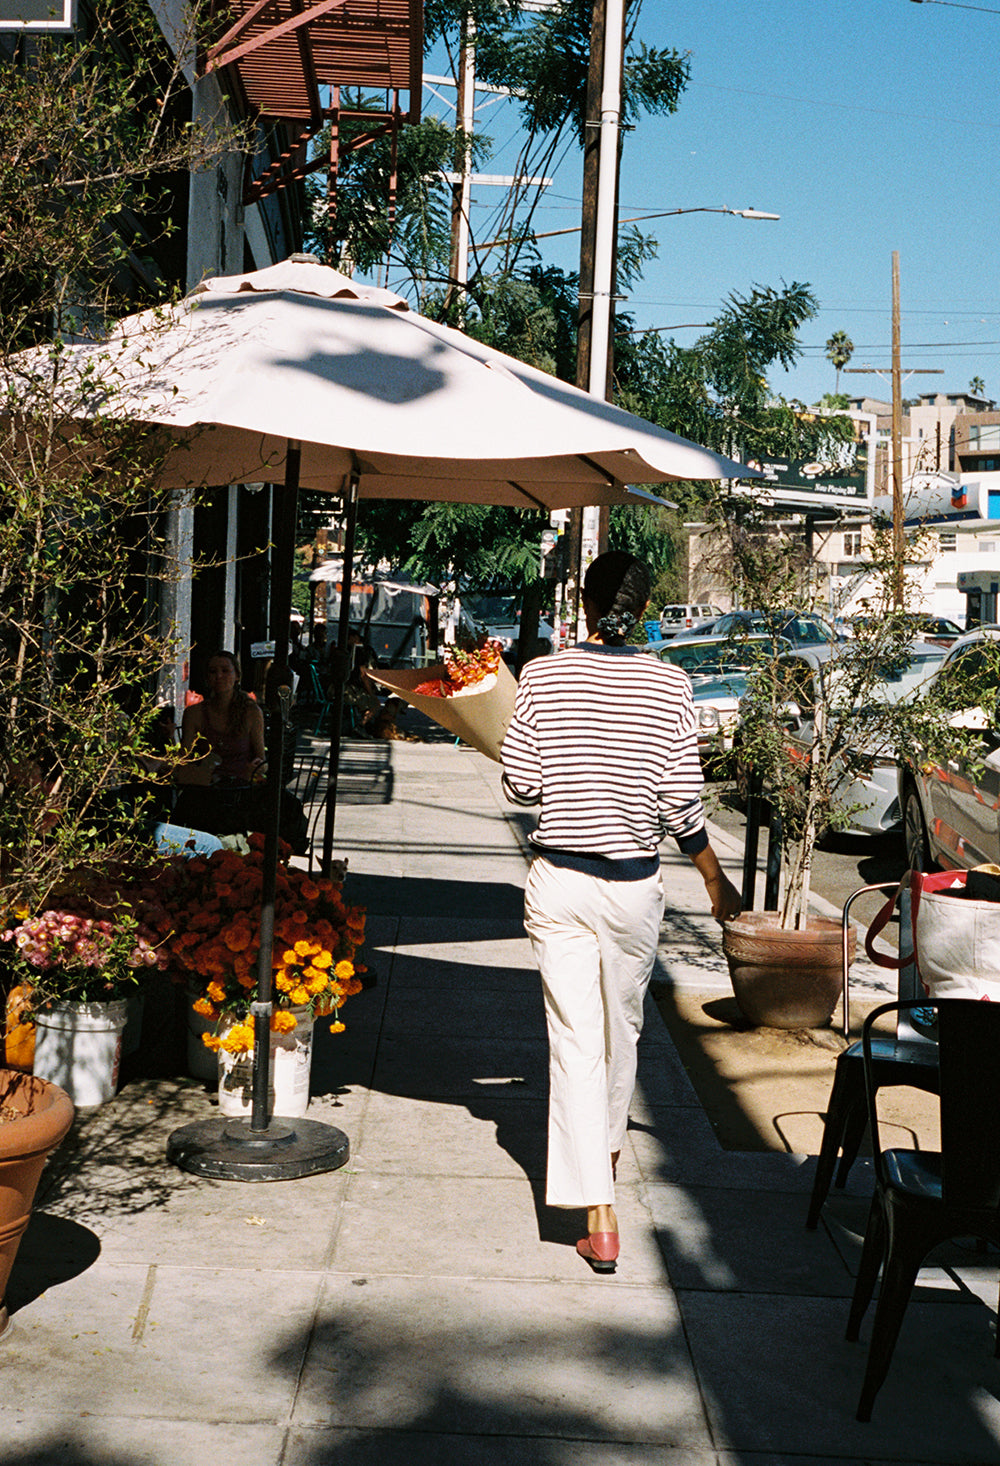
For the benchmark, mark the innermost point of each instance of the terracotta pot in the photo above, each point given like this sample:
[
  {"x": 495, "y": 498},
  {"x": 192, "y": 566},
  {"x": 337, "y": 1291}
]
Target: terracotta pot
[
  {"x": 785, "y": 979},
  {"x": 47, "y": 1114}
]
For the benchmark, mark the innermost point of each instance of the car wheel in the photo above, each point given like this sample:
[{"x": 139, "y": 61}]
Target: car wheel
[{"x": 918, "y": 854}]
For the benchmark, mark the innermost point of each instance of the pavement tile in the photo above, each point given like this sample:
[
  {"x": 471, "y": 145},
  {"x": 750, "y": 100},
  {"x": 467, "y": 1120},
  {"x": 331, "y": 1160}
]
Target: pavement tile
[
  {"x": 780, "y": 1378},
  {"x": 678, "y": 1145},
  {"x": 325, "y": 1446},
  {"x": 540, "y": 1360},
  {"x": 488, "y": 1136},
  {"x": 195, "y": 1343},
  {"x": 456, "y": 1067},
  {"x": 461, "y": 1003},
  {"x": 711, "y": 1244},
  {"x": 477, "y": 1227},
  {"x": 38, "y": 1438}
]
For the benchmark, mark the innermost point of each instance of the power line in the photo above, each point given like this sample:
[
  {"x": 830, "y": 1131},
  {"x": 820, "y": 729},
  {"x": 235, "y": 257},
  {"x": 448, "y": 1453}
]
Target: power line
[{"x": 957, "y": 5}]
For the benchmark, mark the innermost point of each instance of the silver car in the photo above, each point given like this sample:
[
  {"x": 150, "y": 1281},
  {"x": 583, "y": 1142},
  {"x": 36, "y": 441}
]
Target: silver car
[
  {"x": 718, "y": 668},
  {"x": 870, "y": 801},
  {"x": 951, "y": 810}
]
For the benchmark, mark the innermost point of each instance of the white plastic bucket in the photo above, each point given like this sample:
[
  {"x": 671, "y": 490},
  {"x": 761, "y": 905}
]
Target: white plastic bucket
[
  {"x": 79, "y": 1047},
  {"x": 291, "y": 1062}
]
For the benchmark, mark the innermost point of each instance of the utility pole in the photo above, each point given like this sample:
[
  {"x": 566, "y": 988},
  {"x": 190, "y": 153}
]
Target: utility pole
[
  {"x": 597, "y": 258},
  {"x": 898, "y": 513}
]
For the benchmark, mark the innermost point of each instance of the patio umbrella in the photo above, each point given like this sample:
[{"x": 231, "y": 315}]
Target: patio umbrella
[{"x": 296, "y": 373}]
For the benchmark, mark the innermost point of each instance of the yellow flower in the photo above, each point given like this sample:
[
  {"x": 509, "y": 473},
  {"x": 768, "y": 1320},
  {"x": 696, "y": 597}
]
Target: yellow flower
[
  {"x": 343, "y": 971},
  {"x": 204, "y": 1007},
  {"x": 323, "y": 959},
  {"x": 337, "y": 1027},
  {"x": 216, "y": 992},
  {"x": 305, "y": 949},
  {"x": 283, "y": 1022},
  {"x": 299, "y": 996},
  {"x": 239, "y": 1039},
  {"x": 211, "y": 1042}
]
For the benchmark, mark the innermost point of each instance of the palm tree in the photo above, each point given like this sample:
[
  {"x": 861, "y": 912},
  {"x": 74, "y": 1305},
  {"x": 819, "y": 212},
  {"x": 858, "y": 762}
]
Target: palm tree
[
  {"x": 977, "y": 387},
  {"x": 839, "y": 350}
]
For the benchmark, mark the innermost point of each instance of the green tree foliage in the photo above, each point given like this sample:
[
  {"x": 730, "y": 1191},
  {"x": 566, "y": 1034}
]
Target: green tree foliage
[{"x": 94, "y": 134}]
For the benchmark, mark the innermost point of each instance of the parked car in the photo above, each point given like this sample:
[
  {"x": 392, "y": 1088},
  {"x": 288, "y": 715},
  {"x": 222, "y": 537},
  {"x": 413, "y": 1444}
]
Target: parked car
[
  {"x": 718, "y": 668},
  {"x": 871, "y": 799},
  {"x": 499, "y": 616},
  {"x": 951, "y": 813},
  {"x": 801, "y": 628},
  {"x": 937, "y": 629},
  {"x": 674, "y": 619}
]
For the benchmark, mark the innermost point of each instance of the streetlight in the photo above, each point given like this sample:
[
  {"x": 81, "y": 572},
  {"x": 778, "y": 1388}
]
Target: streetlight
[{"x": 634, "y": 219}]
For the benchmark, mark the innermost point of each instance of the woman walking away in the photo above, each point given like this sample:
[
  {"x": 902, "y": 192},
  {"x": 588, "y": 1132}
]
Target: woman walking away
[{"x": 604, "y": 738}]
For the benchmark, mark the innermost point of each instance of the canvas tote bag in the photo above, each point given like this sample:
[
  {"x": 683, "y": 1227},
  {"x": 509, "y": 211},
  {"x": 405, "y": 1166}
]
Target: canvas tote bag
[{"x": 956, "y": 932}]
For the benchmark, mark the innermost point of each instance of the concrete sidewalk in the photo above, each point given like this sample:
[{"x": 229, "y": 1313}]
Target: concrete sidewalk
[{"x": 422, "y": 1305}]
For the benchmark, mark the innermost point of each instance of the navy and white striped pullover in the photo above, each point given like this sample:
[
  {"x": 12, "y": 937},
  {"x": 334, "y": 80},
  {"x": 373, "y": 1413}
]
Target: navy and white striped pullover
[{"x": 605, "y": 738}]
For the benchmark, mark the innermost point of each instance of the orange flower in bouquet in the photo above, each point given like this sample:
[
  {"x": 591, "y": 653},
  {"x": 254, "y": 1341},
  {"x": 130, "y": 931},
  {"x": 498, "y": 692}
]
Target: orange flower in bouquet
[
  {"x": 466, "y": 670},
  {"x": 213, "y": 907}
]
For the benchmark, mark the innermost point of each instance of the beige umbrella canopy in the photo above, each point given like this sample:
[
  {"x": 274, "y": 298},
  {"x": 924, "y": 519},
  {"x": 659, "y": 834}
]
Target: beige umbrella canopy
[{"x": 300, "y": 353}]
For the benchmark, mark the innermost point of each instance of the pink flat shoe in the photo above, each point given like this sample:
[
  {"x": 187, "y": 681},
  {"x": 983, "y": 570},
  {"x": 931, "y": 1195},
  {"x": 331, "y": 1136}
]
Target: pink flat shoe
[{"x": 600, "y": 1249}]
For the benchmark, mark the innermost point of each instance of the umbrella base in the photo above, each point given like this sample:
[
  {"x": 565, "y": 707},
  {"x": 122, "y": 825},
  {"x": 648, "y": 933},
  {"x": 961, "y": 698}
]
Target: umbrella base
[{"x": 228, "y": 1150}]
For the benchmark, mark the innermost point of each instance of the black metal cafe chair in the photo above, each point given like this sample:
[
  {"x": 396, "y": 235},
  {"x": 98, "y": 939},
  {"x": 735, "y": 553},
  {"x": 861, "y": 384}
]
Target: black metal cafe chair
[
  {"x": 909, "y": 1056},
  {"x": 923, "y": 1198}
]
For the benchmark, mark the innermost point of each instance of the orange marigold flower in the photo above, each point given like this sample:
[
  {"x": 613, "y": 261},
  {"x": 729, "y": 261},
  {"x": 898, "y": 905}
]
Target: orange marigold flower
[
  {"x": 323, "y": 959},
  {"x": 355, "y": 985},
  {"x": 246, "y": 980},
  {"x": 239, "y": 1039},
  {"x": 204, "y": 1007},
  {"x": 309, "y": 890},
  {"x": 211, "y": 1042},
  {"x": 299, "y": 996},
  {"x": 216, "y": 992},
  {"x": 337, "y": 1027},
  {"x": 282, "y": 1021},
  {"x": 305, "y": 949},
  {"x": 316, "y": 983},
  {"x": 237, "y": 938},
  {"x": 283, "y": 982},
  {"x": 343, "y": 971}
]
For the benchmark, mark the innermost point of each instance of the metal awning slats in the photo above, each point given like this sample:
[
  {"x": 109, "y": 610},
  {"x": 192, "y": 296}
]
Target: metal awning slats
[{"x": 284, "y": 51}]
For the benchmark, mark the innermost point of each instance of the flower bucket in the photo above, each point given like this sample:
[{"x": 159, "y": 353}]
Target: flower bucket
[
  {"x": 291, "y": 1063},
  {"x": 78, "y": 1046}
]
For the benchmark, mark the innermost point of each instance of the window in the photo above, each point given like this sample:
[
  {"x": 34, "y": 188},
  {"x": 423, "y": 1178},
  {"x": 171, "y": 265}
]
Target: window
[
  {"x": 852, "y": 543},
  {"x": 947, "y": 540},
  {"x": 987, "y": 547}
]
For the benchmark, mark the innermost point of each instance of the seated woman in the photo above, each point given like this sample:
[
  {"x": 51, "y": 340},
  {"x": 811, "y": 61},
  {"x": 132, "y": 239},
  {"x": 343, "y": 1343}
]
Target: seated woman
[{"x": 224, "y": 738}]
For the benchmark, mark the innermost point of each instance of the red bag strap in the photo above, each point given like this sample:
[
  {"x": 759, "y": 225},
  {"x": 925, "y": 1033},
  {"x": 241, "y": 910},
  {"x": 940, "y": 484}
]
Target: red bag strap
[{"x": 879, "y": 924}]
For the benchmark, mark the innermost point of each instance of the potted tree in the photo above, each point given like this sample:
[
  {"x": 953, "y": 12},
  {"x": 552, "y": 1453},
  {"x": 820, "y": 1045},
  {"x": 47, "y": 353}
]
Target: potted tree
[{"x": 820, "y": 732}]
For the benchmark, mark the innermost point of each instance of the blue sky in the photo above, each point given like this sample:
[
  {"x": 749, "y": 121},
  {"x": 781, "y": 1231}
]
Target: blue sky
[{"x": 869, "y": 127}]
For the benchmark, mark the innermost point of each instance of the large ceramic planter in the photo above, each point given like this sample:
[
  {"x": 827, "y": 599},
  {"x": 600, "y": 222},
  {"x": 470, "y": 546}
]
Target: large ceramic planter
[
  {"x": 291, "y": 1065},
  {"x": 45, "y": 1113},
  {"x": 785, "y": 979},
  {"x": 79, "y": 1047}
]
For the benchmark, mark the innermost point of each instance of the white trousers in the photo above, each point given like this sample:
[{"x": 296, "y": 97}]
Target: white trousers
[{"x": 595, "y": 943}]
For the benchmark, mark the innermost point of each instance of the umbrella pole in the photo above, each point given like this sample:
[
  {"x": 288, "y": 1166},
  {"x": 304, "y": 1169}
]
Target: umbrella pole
[
  {"x": 342, "y": 669},
  {"x": 266, "y": 1149}
]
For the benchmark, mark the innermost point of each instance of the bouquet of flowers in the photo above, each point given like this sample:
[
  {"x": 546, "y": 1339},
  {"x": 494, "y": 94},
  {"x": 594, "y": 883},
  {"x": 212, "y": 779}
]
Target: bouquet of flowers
[
  {"x": 471, "y": 693},
  {"x": 465, "y": 672},
  {"x": 212, "y": 904}
]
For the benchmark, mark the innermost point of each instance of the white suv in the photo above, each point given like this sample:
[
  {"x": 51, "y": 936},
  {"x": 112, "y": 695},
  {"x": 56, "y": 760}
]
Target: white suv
[{"x": 686, "y": 618}]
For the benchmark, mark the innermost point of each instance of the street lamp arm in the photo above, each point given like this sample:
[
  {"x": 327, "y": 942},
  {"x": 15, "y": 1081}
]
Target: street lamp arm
[{"x": 634, "y": 219}]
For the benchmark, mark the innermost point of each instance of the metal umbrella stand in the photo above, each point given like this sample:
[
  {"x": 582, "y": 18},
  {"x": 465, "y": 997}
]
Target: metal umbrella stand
[{"x": 265, "y": 1148}]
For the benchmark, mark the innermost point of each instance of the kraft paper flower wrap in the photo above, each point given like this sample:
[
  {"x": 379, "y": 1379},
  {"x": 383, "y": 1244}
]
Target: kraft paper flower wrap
[{"x": 471, "y": 694}]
